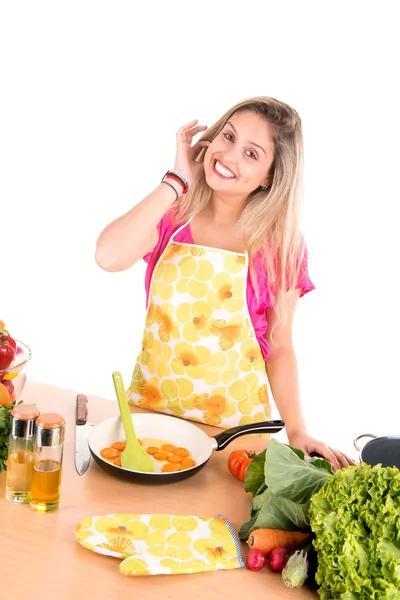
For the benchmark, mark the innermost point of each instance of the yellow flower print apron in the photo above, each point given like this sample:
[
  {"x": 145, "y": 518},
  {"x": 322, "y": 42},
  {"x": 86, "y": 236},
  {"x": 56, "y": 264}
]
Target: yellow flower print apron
[{"x": 200, "y": 358}]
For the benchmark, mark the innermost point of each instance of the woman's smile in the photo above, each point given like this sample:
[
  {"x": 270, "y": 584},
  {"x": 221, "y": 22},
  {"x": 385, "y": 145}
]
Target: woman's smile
[{"x": 222, "y": 171}]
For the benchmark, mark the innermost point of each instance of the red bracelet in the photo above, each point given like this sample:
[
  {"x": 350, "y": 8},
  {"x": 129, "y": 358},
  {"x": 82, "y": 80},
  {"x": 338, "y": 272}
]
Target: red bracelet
[
  {"x": 169, "y": 175},
  {"x": 177, "y": 179}
]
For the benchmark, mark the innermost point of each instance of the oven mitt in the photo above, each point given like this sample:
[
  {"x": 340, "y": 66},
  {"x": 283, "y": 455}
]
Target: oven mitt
[{"x": 163, "y": 544}]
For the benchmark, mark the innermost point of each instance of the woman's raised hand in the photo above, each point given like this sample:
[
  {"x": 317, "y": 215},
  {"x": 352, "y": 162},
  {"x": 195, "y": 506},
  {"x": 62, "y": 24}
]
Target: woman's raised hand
[{"x": 186, "y": 153}]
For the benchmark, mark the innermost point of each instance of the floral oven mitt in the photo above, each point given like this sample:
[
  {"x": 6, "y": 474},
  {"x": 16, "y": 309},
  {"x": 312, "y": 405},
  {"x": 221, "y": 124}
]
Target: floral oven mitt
[{"x": 162, "y": 544}]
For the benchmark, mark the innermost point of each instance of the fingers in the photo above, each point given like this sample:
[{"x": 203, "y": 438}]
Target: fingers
[
  {"x": 195, "y": 131},
  {"x": 343, "y": 459},
  {"x": 340, "y": 458},
  {"x": 188, "y": 131},
  {"x": 329, "y": 455},
  {"x": 187, "y": 126}
]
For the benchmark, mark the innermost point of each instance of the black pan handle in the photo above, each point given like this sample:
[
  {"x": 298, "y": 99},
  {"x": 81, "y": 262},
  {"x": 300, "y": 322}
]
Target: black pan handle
[{"x": 227, "y": 436}]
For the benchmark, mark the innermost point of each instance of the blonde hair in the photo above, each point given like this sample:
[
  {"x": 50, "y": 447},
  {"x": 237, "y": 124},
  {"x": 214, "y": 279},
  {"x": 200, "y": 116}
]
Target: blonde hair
[{"x": 270, "y": 222}]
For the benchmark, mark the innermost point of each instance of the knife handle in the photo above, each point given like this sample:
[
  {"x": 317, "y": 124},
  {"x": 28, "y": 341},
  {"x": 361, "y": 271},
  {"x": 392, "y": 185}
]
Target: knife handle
[{"x": 81, "y": 409}]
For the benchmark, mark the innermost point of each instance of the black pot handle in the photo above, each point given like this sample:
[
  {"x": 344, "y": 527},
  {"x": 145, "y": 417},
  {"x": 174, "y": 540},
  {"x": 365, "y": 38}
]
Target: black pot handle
[{"x": 227, "y": 436}]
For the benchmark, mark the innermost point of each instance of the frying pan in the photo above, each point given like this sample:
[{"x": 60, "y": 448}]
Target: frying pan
[
  {"x": 383, "y": 450},
  {"x": 172, "y": 430}
]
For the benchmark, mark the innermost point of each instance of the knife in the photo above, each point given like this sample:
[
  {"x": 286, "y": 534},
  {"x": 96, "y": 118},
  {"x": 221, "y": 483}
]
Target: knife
[{"x": 82, "y": 431}]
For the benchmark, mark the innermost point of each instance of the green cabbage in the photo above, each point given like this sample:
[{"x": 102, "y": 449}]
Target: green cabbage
[{"x": 356, "y": 519}]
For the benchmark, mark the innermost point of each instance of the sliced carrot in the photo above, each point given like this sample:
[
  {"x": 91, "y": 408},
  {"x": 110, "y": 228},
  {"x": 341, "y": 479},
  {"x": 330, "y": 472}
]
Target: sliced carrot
[
  {"x": 187, "y": 463},
  {"x": 117, "y": 461},
  {"x": 174, "y": 458},
  {"x": 152, "y": 449},
  {"x": 140, "y": 442},
  {"x": 170, "y": 468},
  {"x": 119, "y": 445},
  {"x": 161, "y": 455},
  {"x": 168, "y": 447},
  {"x": 182, "y": 452},
  {"x": 109, "y": 453},
  {"x": 268, "y": 539}
]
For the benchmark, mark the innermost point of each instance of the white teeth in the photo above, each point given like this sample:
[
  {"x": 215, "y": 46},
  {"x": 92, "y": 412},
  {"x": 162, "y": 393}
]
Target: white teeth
[{"x": 223, "y": 170}]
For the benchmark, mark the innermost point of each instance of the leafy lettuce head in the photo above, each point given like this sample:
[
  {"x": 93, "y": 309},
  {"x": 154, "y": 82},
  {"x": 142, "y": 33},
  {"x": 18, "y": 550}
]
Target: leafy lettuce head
[{"x": 356, "y": 519}]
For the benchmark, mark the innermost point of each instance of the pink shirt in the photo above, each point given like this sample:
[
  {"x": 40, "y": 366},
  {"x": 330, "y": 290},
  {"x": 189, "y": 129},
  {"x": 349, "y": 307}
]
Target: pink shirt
[{"x": 257, "y": 307}]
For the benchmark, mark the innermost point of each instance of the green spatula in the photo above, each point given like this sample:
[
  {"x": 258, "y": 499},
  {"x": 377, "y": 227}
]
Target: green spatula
[{"x": 134, "y": 457}]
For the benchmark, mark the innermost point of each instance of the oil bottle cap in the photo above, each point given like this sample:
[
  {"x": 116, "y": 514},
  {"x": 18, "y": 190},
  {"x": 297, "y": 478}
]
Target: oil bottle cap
[
  {"x": 25, "y": 412},
  {"x": 50, "y": 421}
]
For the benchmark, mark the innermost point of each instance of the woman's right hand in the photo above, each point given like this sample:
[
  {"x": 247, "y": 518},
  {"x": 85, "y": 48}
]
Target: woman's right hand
[{"x": 186, "y": 153}]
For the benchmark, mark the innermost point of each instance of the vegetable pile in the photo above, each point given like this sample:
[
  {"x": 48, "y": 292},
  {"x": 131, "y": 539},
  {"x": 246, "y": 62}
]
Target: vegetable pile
[
  {"x": 282, "y": 481},
  {"x": 356, "y": 520},
  {"x": 5, "y": 428},
  {"x": 8, "y": 350},
  {"x": 348, "y": 523}
]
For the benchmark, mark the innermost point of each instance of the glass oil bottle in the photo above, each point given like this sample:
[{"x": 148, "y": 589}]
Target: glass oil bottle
[
  {"x": 20, "y": 453},
  {"x": 47, "y": 468}
]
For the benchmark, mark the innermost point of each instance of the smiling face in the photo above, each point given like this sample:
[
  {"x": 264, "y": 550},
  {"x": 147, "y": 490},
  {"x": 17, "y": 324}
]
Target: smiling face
[{"x": 238, "y": 160}]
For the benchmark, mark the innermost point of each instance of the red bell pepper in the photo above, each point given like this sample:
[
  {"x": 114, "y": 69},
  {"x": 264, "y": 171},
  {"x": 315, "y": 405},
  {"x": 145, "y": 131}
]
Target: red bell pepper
[{"x": 8, "y": 348}]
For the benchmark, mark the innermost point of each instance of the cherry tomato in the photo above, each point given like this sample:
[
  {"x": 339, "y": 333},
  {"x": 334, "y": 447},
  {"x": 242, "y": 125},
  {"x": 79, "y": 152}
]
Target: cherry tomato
[{"x": 238, "y": 463}]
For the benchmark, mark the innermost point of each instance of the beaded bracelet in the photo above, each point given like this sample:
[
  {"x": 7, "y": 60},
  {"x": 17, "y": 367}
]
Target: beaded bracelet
[{"x": 182, "y": 176}]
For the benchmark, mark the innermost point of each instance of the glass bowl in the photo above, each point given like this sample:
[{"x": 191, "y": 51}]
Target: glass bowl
[{"x": 16, "y": 372}]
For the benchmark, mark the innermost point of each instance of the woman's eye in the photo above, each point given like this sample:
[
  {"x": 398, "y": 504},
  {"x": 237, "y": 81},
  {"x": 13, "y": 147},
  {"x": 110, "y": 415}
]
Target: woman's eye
[
  {"x": 251, "y": 154},
  {"x": 228, "y": 136}
]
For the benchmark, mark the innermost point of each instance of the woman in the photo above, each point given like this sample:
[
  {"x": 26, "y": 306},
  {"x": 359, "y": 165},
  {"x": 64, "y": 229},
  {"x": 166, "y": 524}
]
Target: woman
[{"x": 226, "y": 267}]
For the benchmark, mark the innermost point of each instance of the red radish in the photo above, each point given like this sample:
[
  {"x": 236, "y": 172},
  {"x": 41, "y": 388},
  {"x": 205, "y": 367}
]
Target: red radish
[
  {"x": 256, "y": 560},
  {"x": 277, "y": 558}
]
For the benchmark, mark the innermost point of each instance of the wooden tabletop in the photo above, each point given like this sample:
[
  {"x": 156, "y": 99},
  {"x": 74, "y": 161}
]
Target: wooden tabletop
[{"x": 39, "y": 553}]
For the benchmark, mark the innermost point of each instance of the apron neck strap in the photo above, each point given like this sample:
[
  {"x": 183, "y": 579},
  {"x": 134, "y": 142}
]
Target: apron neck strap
[{"x": 180, "y": 229}]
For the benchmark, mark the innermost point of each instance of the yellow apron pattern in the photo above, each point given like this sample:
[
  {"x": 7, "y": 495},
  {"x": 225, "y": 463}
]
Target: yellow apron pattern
[{"x": 200, "y": 358}]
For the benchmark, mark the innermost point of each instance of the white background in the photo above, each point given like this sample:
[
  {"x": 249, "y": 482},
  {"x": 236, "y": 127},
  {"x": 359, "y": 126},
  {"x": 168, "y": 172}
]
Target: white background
[{"x": 91, "y": 96}]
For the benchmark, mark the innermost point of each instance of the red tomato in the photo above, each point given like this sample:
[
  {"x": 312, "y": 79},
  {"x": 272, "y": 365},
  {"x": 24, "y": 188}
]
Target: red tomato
[
  {"x": 8, "y": 348},
  {"x": 238, "y": 463}
]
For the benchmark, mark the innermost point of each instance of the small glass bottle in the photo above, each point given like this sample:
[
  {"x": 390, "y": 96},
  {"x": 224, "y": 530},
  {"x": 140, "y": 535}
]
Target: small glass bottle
[
  {"x": 47, "y": 462},
  {"x": 20, "y": 453}
]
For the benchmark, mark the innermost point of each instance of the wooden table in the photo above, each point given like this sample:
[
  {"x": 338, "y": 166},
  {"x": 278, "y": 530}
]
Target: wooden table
[{"x": 39, "y": 555}]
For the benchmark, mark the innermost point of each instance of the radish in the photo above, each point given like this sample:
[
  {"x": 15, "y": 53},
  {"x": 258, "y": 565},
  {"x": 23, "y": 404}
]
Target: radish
[
  {"x": 256, "y": 560},
  {"x": 277, "y": 558}
]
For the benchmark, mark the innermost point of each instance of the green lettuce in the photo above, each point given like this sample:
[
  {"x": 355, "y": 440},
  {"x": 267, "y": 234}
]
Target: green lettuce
[{"x": 356, "y": 519}]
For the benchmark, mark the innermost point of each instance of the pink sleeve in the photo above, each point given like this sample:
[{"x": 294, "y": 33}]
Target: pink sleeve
[
  {"x": 304, "y": 283},
  {"x": 165, "y": 230}
]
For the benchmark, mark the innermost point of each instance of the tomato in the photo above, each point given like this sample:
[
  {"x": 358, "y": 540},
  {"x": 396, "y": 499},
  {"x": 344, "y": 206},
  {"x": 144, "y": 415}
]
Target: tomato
[
  {"x": 4, "y": 395},
  {"x": 8, "y": 348},
  {"x": 238, "y": 463}
]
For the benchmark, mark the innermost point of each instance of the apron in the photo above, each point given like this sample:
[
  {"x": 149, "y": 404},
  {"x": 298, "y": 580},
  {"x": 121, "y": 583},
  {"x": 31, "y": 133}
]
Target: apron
[{"x": 200, "y": 358}]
